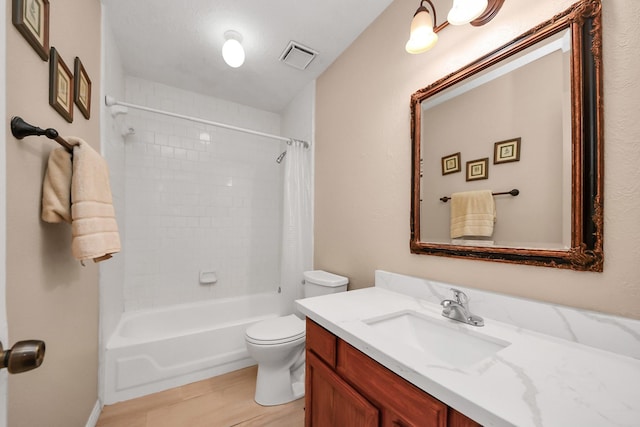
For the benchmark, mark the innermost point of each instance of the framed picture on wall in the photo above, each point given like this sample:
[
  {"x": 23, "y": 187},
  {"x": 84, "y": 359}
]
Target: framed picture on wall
[
  {"x": 82, "y": 89},
  {"x": 60, "y": 86},
  {"x": 478, "y": 169},
  {"x": 506, "y": 151},
  {"x": 31, "y": 18},
  {"x": 451, "y": 164}
]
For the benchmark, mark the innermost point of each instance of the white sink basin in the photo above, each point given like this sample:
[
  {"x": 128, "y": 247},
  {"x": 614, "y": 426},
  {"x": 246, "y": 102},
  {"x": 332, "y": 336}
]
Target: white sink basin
[{"x": 456, "y": 345}]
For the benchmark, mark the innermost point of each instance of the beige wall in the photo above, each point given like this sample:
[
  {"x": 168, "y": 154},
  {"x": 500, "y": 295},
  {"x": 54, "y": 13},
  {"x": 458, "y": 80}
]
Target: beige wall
[
  {"x": 363, "y": 158},
  {"x": 49, "y": 295}
]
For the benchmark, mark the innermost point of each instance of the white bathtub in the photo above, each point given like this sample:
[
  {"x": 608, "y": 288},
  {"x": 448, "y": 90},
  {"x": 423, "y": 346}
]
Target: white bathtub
[{"x": 154, "y": 350}]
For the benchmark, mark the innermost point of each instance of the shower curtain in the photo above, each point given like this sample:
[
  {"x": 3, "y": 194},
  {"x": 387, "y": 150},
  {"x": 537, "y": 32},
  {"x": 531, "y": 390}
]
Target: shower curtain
[{"x": 296, "y": 225}]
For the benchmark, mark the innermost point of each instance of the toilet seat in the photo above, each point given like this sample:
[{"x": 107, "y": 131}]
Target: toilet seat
[{"x": 279, "y": 330}]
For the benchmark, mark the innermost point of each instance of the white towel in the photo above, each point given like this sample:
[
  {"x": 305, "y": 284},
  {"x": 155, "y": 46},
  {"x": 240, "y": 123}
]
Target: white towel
[
  {"x": 473, "y": 213},
  {"x": 78, "y": 191}
]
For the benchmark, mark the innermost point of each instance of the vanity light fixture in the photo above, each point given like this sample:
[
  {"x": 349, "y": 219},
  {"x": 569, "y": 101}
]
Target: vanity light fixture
[
  {"x": 423, "y": 36},
  {"x": 464, "y": 11},
  {"x": 232, "y": 50}
]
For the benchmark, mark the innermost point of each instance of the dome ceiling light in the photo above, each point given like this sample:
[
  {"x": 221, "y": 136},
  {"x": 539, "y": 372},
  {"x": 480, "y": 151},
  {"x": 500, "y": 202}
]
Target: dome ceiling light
[{"x": 232, "y": 50}]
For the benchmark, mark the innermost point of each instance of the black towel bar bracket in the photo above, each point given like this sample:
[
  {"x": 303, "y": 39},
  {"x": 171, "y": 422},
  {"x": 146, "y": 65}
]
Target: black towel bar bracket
[
  {"x": 20, "y": 129},
  {"x": 513, "y": 192}
]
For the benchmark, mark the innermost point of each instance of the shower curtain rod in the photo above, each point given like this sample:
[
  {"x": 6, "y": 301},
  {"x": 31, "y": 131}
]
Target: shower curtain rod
[{"x": 110, "y": 101}]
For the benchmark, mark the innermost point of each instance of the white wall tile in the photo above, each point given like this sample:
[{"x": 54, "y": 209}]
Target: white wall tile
[{"x": 197, "y": 197}]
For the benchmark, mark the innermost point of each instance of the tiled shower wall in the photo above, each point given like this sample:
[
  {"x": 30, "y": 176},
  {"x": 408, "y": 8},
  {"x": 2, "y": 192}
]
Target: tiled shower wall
[
  {"x": 113, "y": 150},
  {"x": 199, "y": 198}
]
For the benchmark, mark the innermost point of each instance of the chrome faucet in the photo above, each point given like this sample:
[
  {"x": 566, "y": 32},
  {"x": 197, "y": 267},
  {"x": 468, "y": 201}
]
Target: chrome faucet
[{"x": 458, "y": 309}]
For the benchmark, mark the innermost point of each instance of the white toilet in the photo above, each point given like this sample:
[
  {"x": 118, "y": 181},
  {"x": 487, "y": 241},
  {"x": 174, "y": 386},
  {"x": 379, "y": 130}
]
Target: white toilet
[{"x": 278, "y": 345}]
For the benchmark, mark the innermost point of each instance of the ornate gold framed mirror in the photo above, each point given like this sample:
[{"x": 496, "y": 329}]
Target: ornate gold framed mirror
[{"x": 527, "y": 122}]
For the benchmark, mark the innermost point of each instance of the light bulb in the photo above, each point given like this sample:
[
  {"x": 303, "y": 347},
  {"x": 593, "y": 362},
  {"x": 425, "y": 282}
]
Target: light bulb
[
  {"x": 422, "y": 37},
  {"x": 232, "y": 50},
  {"x": 464, "y": 11}
]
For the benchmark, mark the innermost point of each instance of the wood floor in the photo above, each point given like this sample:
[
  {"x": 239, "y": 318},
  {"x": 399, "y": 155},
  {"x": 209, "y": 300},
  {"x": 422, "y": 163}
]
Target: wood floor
[{"x": 223, "y": 401}]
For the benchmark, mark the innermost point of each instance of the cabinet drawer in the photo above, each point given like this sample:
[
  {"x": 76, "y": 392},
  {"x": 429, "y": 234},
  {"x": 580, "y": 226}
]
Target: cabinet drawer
[
  {"x": 321, "y": 342},
  {"x": 400, "y": 402},
  {"x": 456, "y": 419}
]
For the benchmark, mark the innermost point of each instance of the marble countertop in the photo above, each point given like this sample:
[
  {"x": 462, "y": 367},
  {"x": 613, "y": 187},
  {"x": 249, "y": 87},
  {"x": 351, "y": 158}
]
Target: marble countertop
[{"x": 537, "y": 380}]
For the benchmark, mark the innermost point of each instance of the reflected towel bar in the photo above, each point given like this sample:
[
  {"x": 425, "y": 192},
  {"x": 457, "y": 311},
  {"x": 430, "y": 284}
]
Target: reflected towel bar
[
  {"x": 513, "y": 192},
  {"x": 20, "y": 129}
]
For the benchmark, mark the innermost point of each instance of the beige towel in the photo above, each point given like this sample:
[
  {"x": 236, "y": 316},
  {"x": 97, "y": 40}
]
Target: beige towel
[
  {"x": 473, "y": 213},
  {"x": 56, "y": 188},
  {"x": 94, "y": 229}
]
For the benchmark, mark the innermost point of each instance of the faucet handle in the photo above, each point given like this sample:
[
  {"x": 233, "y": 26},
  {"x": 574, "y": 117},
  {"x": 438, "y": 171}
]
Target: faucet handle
[{"x": 461, "y": 297}]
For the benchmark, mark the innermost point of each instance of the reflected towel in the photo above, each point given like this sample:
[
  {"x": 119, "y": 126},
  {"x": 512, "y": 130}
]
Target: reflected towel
[
  {"x": 473, "y": 213},
  {"x": 93, "y": 222}
]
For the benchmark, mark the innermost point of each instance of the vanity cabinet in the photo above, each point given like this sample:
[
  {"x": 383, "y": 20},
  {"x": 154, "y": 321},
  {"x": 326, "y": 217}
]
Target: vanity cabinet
[
  {"x": 334, "y": 402},
  {"x": 345, "y": 387}
]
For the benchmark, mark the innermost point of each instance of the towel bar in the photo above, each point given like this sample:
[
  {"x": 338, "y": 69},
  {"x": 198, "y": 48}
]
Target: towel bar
[
  {"x": 20, "y": 129},
  {"x": 513, "y": 192}
]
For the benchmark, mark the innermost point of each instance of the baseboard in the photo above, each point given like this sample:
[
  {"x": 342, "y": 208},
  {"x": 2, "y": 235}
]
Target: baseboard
[{"x": 95, "y": 414}]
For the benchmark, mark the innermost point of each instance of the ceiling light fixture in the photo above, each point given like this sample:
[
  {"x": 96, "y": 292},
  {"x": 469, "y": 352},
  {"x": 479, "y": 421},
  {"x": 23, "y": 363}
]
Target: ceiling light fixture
[
  {"x": 232, "y": 50},
  {"x": 423, "y": 36}
]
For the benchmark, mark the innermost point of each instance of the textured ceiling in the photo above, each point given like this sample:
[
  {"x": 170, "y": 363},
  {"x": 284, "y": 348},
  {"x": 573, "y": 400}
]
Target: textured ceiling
[{"x": 178, "y": 43}]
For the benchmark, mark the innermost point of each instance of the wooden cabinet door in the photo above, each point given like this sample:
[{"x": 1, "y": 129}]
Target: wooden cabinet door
[
  {"x": 401, "y": 403},
  {"x": 331, "y": 402}
]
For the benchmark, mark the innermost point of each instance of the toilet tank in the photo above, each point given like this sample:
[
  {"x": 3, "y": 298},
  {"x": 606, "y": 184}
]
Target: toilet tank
[{"x": 319, "y": 282}]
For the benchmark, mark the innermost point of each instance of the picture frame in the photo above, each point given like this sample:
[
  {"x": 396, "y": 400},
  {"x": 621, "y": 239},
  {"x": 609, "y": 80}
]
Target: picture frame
[
  {"x": 506, "y": 151},
  {"x": 31, "y": 18},
  {"x": 478, "y": 169},
  {"x": 82, "y": 88},
  {"x": 451, "y": 164},
  {"x": 60, "y": 86}
]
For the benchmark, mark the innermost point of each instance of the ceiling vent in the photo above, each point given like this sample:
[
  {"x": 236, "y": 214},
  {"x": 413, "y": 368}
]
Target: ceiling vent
[{"x": 297, "y": 55}]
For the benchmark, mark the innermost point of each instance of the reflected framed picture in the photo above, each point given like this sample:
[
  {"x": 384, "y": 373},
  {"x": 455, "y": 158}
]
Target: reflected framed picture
[
  {"x": 506, "y": 151},
  {"x": 478, "y": 169},
  {"x": 451, "y": 164},
  {"x": 82, "y": 89},
  {"x": 60, "y": 86},
  {"x": 31, "y": 18}
]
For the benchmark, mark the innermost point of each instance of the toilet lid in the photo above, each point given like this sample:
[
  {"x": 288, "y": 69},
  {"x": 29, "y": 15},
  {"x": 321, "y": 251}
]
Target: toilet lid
[{"x": 277, "y": 330}]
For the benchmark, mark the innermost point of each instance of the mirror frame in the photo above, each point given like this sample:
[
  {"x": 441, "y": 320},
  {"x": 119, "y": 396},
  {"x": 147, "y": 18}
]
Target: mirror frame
[{"x": 584, "y": 19}]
